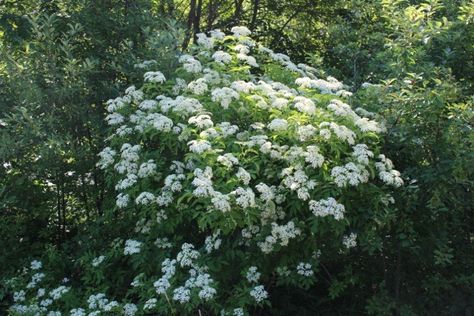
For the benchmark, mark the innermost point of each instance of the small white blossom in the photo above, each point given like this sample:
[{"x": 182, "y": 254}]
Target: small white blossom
[
  {"x": 304, "y": 269},
  {"x": 97, "y": 261},
  {"x": 253, "y": 275},
  {"x": 154, "y": 76},
  {"x": 350, "y": 241},
  {"x": 132, "y": 247},
  {"x": 328, "y": 207},
  {"x": 259, "y": 293}
]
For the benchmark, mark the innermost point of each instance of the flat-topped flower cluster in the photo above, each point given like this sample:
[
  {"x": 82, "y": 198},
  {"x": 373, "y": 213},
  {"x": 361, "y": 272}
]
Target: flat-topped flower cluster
[{"x": 239, "y": 155}]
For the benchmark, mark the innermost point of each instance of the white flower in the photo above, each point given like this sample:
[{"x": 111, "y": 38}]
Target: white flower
[
  {"x": 204, "y": 41},
  {"x": 19, "y": 296},
  {"x": 217, "y": 34},
  {"x": 163, "y": 243},
  {"x": 182, "y": 294},
  {"x": 242, "y": 86},
  {"x": 202, "y": 182},
  {"x": 362, "y": 153},
  {"x": 222, "y": 57},
  {"x": 239, "y": 31},
  {"x": 259, "y": 293},
  {"x": 160, "y": 122},
  {"x": 245, "y": 198},
  {"x": 250, "y": 60},
  {"x": 146, "y": 169},
  {"x": 78, "y": 312},
  {"x": 224, "y": 96},
  {"x": 306, "y": 132},
  {"x": 130, "y": 309},
  {"x": 122, "y": 200},
  {"x": 228, "y": 160},
  {"x": 350, "y": 173},
  {"x": 253, "y": 275},
  {"x": 154, "y": 76},
  {"x": 243, "y": 176},
  {"x": 114, "y": 119},
  {"x": 199, "y": 146},
  {"x": 97, "y": 261},
  {"x": 127, "y": 182},
  {"x": 328, "y": 207},
  {"x": 150, "y": 304},
  {"x": 238, "y": 312},
  {"x": 145, "y": 198},
  {"x": 148, "y": 105},
  {"x": 58, "y": 292},
  {"x": 267, "y": 193},
  {"x": 201, "y": 121},
  {"x": 313, "y": 157},
  {"x": 198, "y": 86},
  {"x": 350, "y": 241},
  {"x": 36, "y": 265},
  {"x": 278, "y": 125},
  {"x": 106, "y": 159},
  {"x": 41, "y": 292},
  {"x": 192, "y": 66},
  {"x": 305, "y": 105},
  {"x": 220, "y": 202},
  {"x": 226, "y": 129},
  {"x": 304, "y": 269},
  {"x": 132, "y": 247},
  {"x": 213, "y": 242},
  {"x": 386, "y": 172},
  {"x": 187, "y": 254}
]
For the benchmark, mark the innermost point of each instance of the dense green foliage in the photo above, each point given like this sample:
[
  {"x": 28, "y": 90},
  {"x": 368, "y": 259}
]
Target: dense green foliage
[{"x": 60, "y": 61}]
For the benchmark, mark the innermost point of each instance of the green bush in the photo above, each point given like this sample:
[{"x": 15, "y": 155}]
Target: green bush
[{"x": 239, "y": 173}]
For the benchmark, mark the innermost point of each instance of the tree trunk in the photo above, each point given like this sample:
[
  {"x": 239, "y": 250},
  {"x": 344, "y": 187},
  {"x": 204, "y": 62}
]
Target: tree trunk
[
  {"x": 253, "y": 22},
  {"x": 189, "y": 23}
]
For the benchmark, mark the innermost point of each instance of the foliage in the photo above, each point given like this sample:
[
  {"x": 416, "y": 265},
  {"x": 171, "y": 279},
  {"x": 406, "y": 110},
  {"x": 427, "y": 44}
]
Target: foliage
[{"x": 409, "y": 63}]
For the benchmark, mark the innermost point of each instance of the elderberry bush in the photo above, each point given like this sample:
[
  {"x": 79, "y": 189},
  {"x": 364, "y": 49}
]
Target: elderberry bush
[{"x": 241, "y": 171}]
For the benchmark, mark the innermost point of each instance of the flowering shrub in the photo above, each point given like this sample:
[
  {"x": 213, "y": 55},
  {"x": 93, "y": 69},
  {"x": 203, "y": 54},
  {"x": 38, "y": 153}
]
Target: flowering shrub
[{"x": 241, "y": 172}]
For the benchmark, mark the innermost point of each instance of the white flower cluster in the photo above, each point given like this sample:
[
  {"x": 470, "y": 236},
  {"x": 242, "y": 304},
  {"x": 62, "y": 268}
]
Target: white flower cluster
[
  {"x": 187, "y": 255},
  {"x": 198, "y": 86},
  {"x": 278, "y": 125},
  {"x": 327, "y": 207},
  {"x": 97, "y": 261},
  {"x": 350, "y": 241},
  {"x": 228, "y": 160},
  {"x": 297, "y": 180},
  {"x": 280, "y": 234},
  {"x": 329, "y": 86},
  {"x": 168, "y": 267},
  {"x": 304, "y": 269},
  {"x": 224, "y": 96},
  {"x": 154, "y": 76},
  {"x": 386, "y": 172},
  {"x": 244, "y": 198},
  {"x": 99, "y": 301},
  {"x": 222, "y": 57},
  {"x": 341, "y": 132},
  {"x": 213, "y": 242},
  {"x": 106, "y": 157},
  {"x": 190, "y": 64},
  {"x": 259, "y": 293},
  {"x": 58, "y": 292},
  {"x": 132, "y": 247},
  {"x": 253, "y": 275},
  {"x": 362, "y": 154},
  {"x": 350, "y": 173}
]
